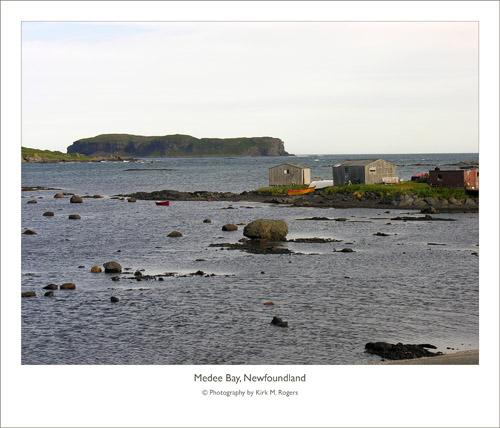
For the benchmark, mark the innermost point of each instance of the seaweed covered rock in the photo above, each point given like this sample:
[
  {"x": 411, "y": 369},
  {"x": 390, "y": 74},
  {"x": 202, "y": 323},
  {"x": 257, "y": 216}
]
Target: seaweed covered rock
[
  {"x": 112, "y": 267},
  {"x": 400, "y": 351},
  {"x": 266, "y": 230}
]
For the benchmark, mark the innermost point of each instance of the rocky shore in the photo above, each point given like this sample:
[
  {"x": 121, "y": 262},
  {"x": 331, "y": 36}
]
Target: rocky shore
[{"x": 321, "y": 199}]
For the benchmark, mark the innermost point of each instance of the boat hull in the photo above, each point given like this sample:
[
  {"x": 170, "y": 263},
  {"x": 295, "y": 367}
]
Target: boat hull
[
  {"x": 163, "y": 203},
  {"x": 301, "y": 191}
]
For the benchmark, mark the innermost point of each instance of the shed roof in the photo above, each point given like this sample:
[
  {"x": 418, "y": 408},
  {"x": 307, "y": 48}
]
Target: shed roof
[
  {"x": 298, "y": 165},
  {"x": 358, "y": 162}
]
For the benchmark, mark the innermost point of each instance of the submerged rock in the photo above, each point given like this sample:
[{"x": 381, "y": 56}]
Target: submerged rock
[
  {"x": 49, "y": 294},
  {"x": 279, "y": 322},
  {"x": 400, "y": 351},
  {"x": 32, "y": 202},
  {"x": 267, "y": 230}
]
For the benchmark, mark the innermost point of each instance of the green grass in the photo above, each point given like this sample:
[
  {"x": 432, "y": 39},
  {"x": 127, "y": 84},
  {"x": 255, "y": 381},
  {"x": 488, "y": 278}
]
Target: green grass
[
  {"x": 422, "y": 190},
  {"x": 51, "y": 155}
]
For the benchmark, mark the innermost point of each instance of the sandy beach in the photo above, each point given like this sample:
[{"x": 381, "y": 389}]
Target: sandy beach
[{"x": 458, "y": 358}]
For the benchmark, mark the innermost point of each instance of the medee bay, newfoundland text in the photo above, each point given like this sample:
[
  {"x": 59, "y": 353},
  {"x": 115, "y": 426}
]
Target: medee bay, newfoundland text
[{"x": 248, "y": 378}]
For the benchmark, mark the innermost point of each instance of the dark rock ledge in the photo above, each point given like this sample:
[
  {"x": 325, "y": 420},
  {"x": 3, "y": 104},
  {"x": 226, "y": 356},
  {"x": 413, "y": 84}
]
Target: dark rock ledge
[{"x": 319, "y": 199}]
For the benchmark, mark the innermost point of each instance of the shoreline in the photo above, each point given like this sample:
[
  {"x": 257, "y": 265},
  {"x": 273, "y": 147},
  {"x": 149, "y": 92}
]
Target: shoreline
[
  {"x": 320, "y": 199},
  {"x": 470, "y": 357}
]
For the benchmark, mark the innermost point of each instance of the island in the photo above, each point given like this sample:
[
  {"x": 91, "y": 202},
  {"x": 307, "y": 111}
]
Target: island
[
  {"x": 177, "y": 146},
  {"x": 29, "y": 155}
]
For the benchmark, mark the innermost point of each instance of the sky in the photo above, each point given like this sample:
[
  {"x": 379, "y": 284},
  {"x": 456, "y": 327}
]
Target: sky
[{"x": 322, "y": 87}]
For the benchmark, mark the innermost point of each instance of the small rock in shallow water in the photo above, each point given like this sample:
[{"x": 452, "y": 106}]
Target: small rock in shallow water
[
  {"x": 29, "y": 232},
  {"x": 229, "y": 227},
  {"x": 269, "y": 303},
  {"x": 114, "y": 299},
  {"x": 48, "y": 214},
  {"x": 174, "y": 234},
  {"x": 67, "y": 286},
  {"x": 50, "y": 287},
  {"x": 112, "y": 267},
  {"x": 279, "y": 322},
  {"x": 115, "y": 278},
  {"x": 207, "y": 220},
  {"x": 75, "y": 199},
  {"x": 96, "y": 269},
  {"x": 28, "y": 294},
  {"x": 58, "y": 195},
  {"x": 32, "y": 202},
  {"x": 74, "y": 217},
  {"x": 49, "y": 294}
]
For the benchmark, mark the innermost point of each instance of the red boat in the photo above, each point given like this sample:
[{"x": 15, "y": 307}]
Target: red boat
[{"x": 163, "y": 203}]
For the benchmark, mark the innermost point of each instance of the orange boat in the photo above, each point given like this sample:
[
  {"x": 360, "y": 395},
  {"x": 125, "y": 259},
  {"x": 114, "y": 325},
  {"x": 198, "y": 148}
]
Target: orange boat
[{"x": 301, "y": 191}]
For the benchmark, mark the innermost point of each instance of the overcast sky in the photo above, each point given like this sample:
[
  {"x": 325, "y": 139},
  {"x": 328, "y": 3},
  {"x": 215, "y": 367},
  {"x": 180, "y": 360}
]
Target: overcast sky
[{"x": 322, "y": 87}]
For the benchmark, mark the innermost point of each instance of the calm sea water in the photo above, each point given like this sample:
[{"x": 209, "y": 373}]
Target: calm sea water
[{"x": 394, "y": 288}]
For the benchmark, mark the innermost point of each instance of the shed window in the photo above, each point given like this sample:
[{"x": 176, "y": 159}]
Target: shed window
[
  {"x": 372, "y": 170},
  {"x": 286, "y": 171},
  {"x": 440, "y": 177},
  {"x": 346, "y": 169}
]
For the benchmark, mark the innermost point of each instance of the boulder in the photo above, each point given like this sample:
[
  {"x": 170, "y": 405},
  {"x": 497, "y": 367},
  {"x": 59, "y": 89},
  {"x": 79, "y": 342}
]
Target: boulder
[
  {"x": 58, "y": 195},
  {"x": 138, "y": 274},
  {"x": 48, "y": 214},
  {"x": 429, "y": 210},
  {"x": 75, "y": 199},
  {"x": 229, "y": 227},
  {"x": 174, "y": 234},
  {"x": 267, "y": 230},
  {"x": 97, "y": 196},
  {"x": 346, "y": 250},
  {"x": 29, "y": 232},
  {"x": 49, "y": 294},
  {"x": 112, "y": 267},
  {"x": 28, "y": 294},
  {"x": 50, "y": 287},
  {"x": 74, "y": 217},
  {"x": 279, "y": 322},
  {"x": 96, "y": 269},
  {"x": 32, "y": 202},
  {"x": 67, "y": 286},
  {"x": 132, "y": 200},
  {"x": 114, "y": 299},
  {"x": 115, "y": 278},
  {"x": 207, "y": 220}
]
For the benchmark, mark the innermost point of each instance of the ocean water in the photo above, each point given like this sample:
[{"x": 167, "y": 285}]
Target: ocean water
[{"x": 396, "y": 288}]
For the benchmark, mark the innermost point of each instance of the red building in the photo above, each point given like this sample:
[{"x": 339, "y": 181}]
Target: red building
[{"x": 460, "y": 178}]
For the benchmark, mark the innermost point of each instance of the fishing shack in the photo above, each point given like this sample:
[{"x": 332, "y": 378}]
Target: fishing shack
[
  {"x": 289, "y": 173},
  {"x": 456, "y": 178},
  {"x": 365, "y": 171}
]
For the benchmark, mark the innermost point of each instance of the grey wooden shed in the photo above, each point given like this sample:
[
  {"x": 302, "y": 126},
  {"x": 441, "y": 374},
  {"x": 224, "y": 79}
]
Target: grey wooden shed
[
  {"x": 364, "y": 171},
  {"x": 289, "y": 173}
]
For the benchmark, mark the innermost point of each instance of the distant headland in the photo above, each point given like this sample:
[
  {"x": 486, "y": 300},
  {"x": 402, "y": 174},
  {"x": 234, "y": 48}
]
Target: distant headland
[{"x": 176, "y": 146}]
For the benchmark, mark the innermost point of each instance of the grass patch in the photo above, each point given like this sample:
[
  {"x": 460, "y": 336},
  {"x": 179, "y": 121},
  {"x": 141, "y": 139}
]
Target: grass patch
[{"x": 422, "y": 190}]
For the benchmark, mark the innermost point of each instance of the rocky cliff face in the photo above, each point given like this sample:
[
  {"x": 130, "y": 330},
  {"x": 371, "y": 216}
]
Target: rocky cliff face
[{"x": 176, "y": 146}]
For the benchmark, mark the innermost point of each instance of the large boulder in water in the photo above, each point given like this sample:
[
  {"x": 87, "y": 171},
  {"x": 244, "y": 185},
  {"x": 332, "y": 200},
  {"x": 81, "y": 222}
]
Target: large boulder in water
[
  {"x": 266, "y": 230},
  {"x": 112, "y": 267}
]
